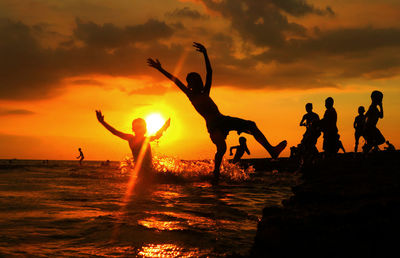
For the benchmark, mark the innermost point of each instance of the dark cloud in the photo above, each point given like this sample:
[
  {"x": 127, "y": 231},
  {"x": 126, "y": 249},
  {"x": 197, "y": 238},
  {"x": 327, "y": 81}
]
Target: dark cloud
[
  {"x": 300, "y": 8},
  {"x": 293, "y": 56},
  {"x": 265, "y": 22},
  {"x": 24, "y": 63},
  {"x": 7, "y": 112},
  {"x": 110, "y": 36},
  {"x": 29, "y": 70},
  {"x": 186, "y": 12}
]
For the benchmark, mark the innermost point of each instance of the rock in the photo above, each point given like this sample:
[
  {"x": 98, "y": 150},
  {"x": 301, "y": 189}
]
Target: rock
[{"x": 345, "y": 207}]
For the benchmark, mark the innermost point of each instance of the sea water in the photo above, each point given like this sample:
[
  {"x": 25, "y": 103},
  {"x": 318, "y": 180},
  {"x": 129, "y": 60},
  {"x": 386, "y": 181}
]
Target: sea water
[{"x": 58, "y": 208}]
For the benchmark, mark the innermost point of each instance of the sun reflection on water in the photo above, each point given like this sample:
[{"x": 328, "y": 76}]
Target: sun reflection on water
[
  {"x": 168, "y": 250},
  {"x": 156, "y": 223}
]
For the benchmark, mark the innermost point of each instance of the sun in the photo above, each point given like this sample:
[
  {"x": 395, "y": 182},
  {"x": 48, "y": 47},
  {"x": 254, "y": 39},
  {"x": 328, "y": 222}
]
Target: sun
[{"x": 154, "y": 122}]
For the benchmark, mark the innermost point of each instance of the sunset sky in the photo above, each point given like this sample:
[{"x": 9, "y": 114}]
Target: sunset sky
[{"x": 62, "y": 60}]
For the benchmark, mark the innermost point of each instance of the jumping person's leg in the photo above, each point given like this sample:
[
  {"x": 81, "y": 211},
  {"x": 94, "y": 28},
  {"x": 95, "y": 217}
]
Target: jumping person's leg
[
  {"x": 250, "y": 127},
  {"x": 218, "y": 138}
]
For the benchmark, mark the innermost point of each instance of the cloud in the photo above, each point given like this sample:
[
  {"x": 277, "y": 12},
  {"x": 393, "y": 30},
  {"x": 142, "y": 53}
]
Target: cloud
[
  {"x": 300, "y": 8},
  {"x": 186, "y": 12},
  {"x": 265, "y": 23},
  {"x": 29, "y": 70},
  {"x": 253, "y": 45},
  {"x": 7, "y": 112},
  {"x": 110, "y": 36}
]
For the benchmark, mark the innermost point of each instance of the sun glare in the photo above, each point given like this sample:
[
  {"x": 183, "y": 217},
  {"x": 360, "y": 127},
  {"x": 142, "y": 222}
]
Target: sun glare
[{"x": 154, "y": 122}]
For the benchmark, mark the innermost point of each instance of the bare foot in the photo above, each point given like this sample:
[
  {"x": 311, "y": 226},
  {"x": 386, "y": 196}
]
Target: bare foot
[{"x": 278, "y": 149}]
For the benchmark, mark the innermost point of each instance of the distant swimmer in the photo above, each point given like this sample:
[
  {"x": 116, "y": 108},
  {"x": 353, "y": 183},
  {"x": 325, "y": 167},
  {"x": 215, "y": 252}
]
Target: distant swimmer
[
  {"x": 218, "y": 125},
  {"x": 359, "y": 124},
  {"x": 372, "y": 135},
  {"x": 81, "y": 157},
  {"x": 240, "y": 150},
  {"x": 137, "y": 142}
]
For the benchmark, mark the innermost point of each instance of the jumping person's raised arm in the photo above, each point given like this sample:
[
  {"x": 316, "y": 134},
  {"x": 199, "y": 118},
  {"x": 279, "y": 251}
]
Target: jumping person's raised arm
[
  {"x": 161, "y": 131},
  {"x": 157, "y": 65},
  {"x": 114, "y": 131},
  {"x": 207, "y": 86}
]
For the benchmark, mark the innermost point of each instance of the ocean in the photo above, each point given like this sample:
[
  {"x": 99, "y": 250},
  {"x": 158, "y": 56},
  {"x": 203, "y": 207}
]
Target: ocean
[{"x": 58, "y": 208}]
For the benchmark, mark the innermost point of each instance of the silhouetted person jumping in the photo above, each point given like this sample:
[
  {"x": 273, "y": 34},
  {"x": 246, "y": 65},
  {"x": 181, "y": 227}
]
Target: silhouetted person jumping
[
  {"x": 218, "y": 125},
  {"x": 372, "y": 135},
  {"x": 359, "y": 124},
  {"x": 137, "y": 142},
  {"x": 240, "y": 150},
  {"x": 329, "y": 128},
  {"x": 81, "y": 157}
]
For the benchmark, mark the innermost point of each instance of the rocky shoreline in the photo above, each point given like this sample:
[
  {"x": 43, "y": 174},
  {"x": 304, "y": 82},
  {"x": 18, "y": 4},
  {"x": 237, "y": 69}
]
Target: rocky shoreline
[{"x": 345, "y": 207}]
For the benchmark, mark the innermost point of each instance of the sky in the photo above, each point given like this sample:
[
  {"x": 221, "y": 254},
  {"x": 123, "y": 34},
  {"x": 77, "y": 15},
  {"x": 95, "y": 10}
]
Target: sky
[{"x": 62, "y": 60}]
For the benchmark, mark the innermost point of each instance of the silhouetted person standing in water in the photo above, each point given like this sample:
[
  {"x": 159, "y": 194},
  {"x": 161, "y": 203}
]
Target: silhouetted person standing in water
[
  {"x": 240, "y": 150},
  {"x": 137, "y": 142},
  {"x": 218, "y": 125},
  {"x": 372, "y": 135},
  {"x": 359, "y": 124},
  {"x": 80, "y": 157},
  {"x": 329, "y": 128}
]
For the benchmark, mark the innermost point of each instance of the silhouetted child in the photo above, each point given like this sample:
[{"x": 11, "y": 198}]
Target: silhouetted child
[
  {"x": 218, "y": 125},
  {"x": 139, "y": 142},
  {"x": 310, "y": 117},
  {"x": 329, "y": 128},
  {"x": 389, "y": 147},
  {"x": 372, "y": 135},
  {"x": 310, "y": 121},
  {"x": 240, "y": 150},
  {"x": 359, "y": 124},
  {"x": 80, "y": 157}
]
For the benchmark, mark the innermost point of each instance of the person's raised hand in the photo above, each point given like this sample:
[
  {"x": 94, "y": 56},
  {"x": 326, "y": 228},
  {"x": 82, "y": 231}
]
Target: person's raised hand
[
  {"x": 199, "y": 47},
  {"x": 155, "y": 64},
  {"x": 100, "y": 116}
]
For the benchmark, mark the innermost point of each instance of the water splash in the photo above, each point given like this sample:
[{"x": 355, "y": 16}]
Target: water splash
[{"x": 191, "y": 170}]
